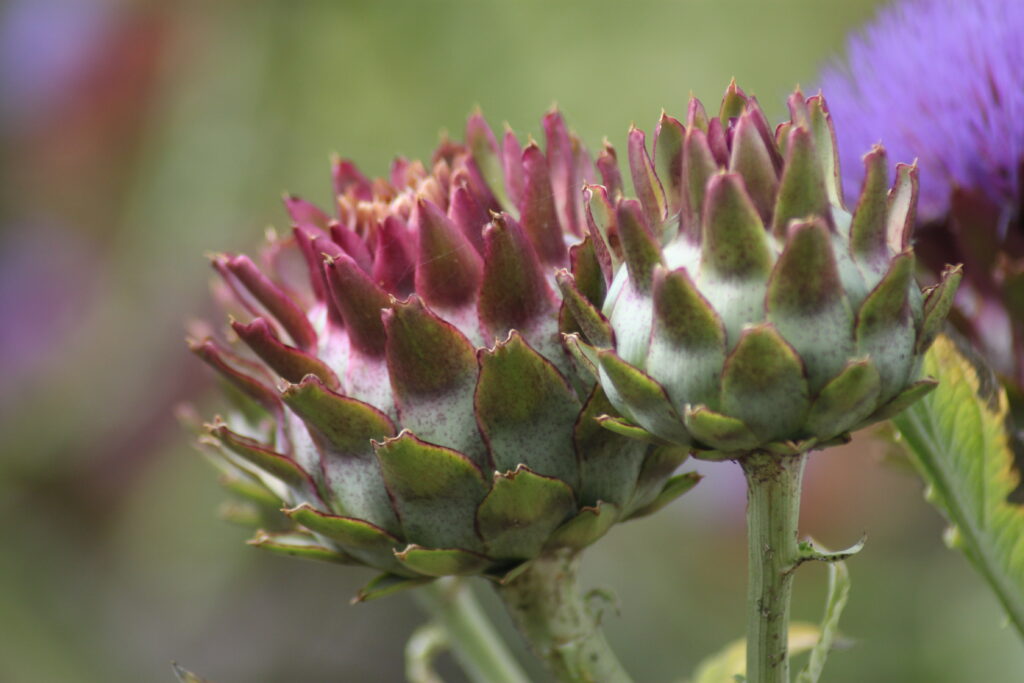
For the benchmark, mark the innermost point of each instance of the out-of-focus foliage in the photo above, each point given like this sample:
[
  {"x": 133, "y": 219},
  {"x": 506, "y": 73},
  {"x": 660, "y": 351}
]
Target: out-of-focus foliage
[{"x": 138, "y": 135}]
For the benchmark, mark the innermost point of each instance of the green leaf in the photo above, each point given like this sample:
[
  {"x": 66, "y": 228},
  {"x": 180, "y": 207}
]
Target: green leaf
[
  {"x": 838, "y": 594},
  {"x": 957, "y": 438}
]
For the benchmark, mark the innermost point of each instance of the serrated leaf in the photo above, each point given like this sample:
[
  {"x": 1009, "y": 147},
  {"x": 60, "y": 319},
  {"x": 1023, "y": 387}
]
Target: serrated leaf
[{"x": 957, "y": 438}]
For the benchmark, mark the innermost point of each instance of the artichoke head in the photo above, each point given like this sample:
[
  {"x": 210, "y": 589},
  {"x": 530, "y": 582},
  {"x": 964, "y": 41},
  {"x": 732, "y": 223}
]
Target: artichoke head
[
  {"x": 400, "y": 381},
  {"x": 752, "y": 310}
]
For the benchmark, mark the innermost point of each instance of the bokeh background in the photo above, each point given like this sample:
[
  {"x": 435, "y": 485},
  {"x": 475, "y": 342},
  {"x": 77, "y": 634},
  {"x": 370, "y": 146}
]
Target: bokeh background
[{"x": 136, "y": 136}]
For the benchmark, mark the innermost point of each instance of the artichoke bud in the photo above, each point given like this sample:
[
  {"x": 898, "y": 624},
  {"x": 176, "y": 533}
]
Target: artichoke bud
[
  {"x": 753, "y": 310},
  {"x": 399, "y": 377}
]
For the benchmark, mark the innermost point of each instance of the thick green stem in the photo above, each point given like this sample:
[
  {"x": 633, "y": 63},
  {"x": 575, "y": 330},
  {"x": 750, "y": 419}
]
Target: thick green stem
[
  {"x": 546, "y": 605},
  {"x": 477, "y": 647},
  {"x": 773, "y": 510}
]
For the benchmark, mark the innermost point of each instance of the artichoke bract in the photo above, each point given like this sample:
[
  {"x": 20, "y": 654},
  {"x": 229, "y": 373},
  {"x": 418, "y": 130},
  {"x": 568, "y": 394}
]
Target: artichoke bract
[
  {"x": 399, "y": 375},
  {"x": 754, "y": 311}
]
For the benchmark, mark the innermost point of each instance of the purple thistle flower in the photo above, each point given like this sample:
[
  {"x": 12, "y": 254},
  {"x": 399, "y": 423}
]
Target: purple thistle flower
[{"x": 941, "y": 81}]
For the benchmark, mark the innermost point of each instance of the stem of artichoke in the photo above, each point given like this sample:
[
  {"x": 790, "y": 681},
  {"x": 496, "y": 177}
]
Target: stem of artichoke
[
  {"x": 477, "y": 647},
  {"x": 547, "y": 607},
  {"x": 773, "y": 510}
]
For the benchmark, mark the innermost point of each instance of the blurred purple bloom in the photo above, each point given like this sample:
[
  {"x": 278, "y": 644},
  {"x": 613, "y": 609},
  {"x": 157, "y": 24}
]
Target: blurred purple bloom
[
  {"x": 941, "y": 81},
  {"x": 48, "y": 278},
  {"x": 44, "y": 47}
]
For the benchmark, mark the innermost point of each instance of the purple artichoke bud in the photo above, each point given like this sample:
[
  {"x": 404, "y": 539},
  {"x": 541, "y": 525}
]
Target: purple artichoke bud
[
  {"x": 399, "y": 373},
  {"x": 942, "y": 81},
  {"x": 754, "y": 311}
]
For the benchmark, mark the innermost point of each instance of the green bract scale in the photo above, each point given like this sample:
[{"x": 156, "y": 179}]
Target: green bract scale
[
  {"x": 754, "y": 311},
  {"x": 400, "y": 381}
]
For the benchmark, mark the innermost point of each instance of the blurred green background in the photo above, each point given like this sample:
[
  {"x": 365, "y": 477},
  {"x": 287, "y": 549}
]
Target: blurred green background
[{"x": 138, "y": 135}]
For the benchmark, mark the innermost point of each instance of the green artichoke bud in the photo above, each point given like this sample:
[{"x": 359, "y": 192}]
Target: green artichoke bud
[
  {"x": 754, "y": 311},
  {"x": 402, "y": 384}
]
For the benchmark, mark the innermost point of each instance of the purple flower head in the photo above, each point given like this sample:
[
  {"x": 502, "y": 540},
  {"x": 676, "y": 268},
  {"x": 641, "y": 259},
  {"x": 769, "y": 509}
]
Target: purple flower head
[{"x": 941, "y": 81}]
